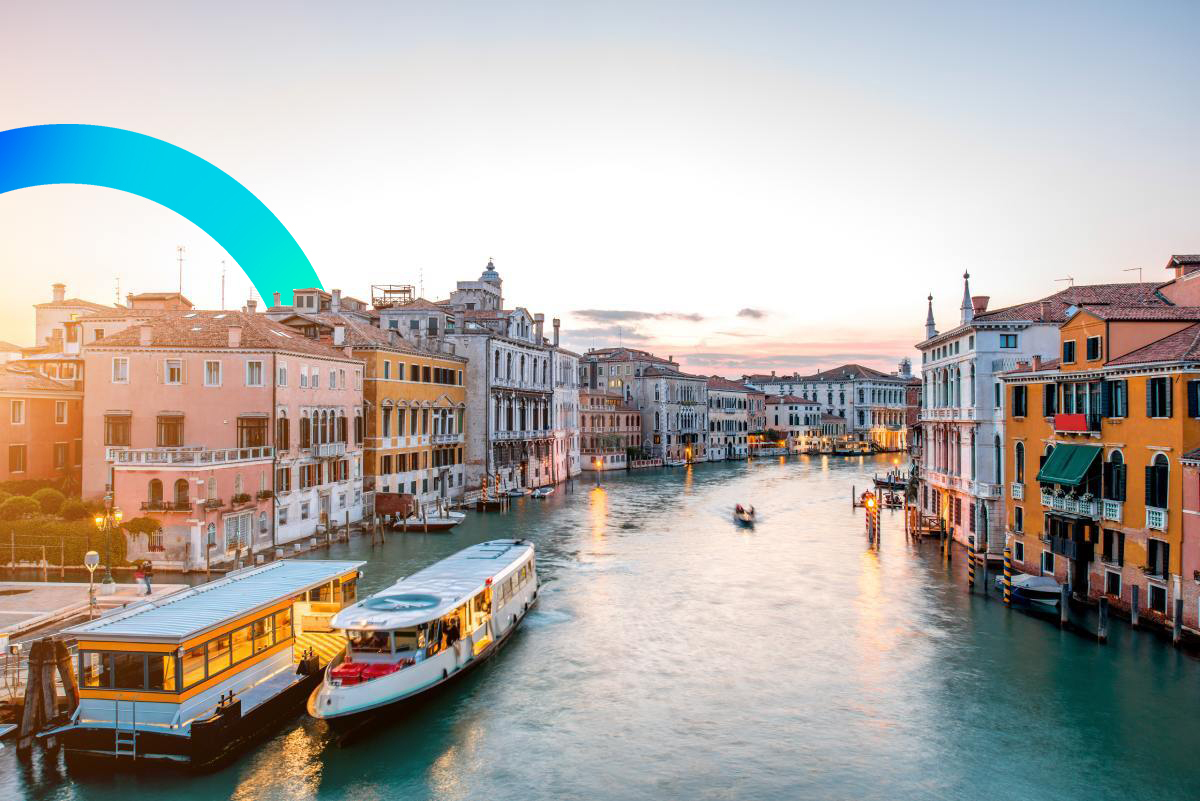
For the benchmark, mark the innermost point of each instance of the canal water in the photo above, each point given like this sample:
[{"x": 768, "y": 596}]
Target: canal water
[{"x": 673, "y": 655}]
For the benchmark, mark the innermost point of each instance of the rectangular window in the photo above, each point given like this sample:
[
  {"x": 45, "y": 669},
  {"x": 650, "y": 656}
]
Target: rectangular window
[
  {"x": 60, "y": 455},
  {"x": 251, "y": 432},
  {"x": 1158, "y": 397},
  {"x": 1048, "y": 562},
  {"x": 1019, "y": 395},
  {"x": 212, "y": 374},
  {"x": 998, "y": 393},
  {"x": 16, "y": 412},
  {"x": 120, "y": 370},
  {"x": 283, "y": 479},
  {"x": 1093, "y": 348},
  {"x": 1158, "y": 598},
  {"x": 129, "y": 671},
  {"x": 16, "y": 458},
  {"x": 264, "y": 634},
  {"x": 254, "y": 374},
  {"x": 414, "y": 372},
  {"x": 1018, "y": 519},
  {"x": 1008, "y": 340},
  {"x": 1112, "y": 583},
  {"x": 1114, "y": 547},
  {"x": 194, "y": 660},
  {"x": 173, "y": 371},
  {"x": 387, "y": 370},
  {"x": 243, "y": 644},
  {"x": 1019, "y": 551},
  {"x": 283, "y": 625},
  {"x": 1193, "y": 399},
  {"x": 218, "y": 654},
  {"x": 60, "y": 412},
  {"x": 281, "y": 375},
  {"x": 1158, "y": 557},
  {"x": 116, "y": 429},
  {"x": 170, "y": 431},
  {"x": 1068, "y": 351}
]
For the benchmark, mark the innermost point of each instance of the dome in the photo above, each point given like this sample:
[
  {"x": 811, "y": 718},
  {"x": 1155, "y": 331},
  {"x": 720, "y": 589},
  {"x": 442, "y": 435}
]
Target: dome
[{"x": 490, "y": 274}]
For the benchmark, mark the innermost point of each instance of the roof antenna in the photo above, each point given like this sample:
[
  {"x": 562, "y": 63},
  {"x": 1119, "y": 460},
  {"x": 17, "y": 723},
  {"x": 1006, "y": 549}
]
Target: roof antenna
[
  {"x": 222, "y": 285},
  {"x": 1131, "y": 269},
  {"x": 118, "y": 290},
  {"x": 421, "y": 281},
  {"x": 179, "y": 251},
  {"x": 1068, "y": 278}
]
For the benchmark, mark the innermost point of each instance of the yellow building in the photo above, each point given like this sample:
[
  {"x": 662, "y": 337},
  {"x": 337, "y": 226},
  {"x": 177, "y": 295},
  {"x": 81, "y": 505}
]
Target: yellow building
[
  {"x": 1093, "y": 442},
  {"x": 414, "y": 407}
]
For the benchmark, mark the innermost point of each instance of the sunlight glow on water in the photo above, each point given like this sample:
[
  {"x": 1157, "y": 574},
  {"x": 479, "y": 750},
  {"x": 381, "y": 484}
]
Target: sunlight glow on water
[{"x": 675, "y": 655}]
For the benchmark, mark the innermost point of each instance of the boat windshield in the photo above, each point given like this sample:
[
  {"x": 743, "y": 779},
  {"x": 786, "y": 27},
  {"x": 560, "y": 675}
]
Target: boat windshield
[{"x": 369, "y": 641}]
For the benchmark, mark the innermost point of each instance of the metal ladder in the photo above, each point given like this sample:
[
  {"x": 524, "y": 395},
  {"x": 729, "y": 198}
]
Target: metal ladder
[{"x": 125, "y": 740}]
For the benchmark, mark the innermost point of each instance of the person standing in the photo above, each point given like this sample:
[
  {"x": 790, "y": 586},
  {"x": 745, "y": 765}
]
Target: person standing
[{"x": 147, "y": 572}]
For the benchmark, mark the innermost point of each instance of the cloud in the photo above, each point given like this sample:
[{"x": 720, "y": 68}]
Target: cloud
[
  {"x": 752, "y": 314},
  {"x": 621, "y": 315}
]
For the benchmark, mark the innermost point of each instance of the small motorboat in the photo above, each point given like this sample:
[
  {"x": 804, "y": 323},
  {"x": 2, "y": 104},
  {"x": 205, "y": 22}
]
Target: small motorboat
[
  {"x": 743, "y": 515},
  {"x": 543, "y": 492},
  {"x": 676, "y": 462},
  {"x": 517, "y": 492},
  {"x": 1039, "y": 592},
  {"x": 438, "y": 521}
]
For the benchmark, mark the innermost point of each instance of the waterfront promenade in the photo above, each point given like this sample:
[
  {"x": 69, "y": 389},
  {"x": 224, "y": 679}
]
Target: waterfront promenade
[{"x": 673, "y": 655}]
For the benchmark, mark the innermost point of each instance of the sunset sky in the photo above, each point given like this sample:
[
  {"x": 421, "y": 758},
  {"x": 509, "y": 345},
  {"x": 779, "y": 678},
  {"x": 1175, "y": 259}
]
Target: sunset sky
[{"x": 745, "y": 186}]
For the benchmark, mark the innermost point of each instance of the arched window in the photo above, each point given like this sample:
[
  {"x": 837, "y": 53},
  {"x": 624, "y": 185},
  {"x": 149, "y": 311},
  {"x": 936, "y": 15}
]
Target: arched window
[
  {"x": 497, "y": 369},
  {"x": 212, "y": 535},
  {"x": 1157, "y": 475},
  {"x": 508, "y": 362},
  {"x": 155, "y": 491},
  {"x": 1114, "y": 477},
  {"x": 181, "y": 493},
  {"x": 1019, "y": 464},
  {"x": 973, "y": 455}
]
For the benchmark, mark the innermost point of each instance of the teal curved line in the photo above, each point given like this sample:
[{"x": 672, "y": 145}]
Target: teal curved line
[{"x": 94, "y": 155}]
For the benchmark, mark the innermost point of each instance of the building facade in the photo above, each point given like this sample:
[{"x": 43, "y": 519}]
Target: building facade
[
  {"x": 728, "y": 419},
  {"x": 674, "y": 408},
  {"x": 235, "y": 433},
  {"x": 610, "y": 427},
  {"x": 41, "y": 427},
  {"x": 797, "y": 419}
]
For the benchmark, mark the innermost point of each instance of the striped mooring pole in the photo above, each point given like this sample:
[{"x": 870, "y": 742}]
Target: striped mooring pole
[
  {"x": 1007, "y": 576},
  {"x": 971, "y": 562}
]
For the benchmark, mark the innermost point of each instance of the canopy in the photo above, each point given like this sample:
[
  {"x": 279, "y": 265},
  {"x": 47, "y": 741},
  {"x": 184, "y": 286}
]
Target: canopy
[{"x": 1068, "y": 464}]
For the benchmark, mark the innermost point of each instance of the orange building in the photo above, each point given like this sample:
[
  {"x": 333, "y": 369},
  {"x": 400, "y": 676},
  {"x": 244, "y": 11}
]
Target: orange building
[
  {"x": 41, "y": 427},
  {"x": 1094, "y": 443}
]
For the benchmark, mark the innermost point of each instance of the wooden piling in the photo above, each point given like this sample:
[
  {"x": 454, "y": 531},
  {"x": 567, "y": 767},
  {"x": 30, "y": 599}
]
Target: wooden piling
[
  {"x": 1177, "y": 625},
  {"x": 1008, "y": 577},
  {"x": 1102, "y": 626},
  {"x": 971, "y": 563},
  {"x": 1064, "y": 605},
  {"x": 983, "y": 562}
]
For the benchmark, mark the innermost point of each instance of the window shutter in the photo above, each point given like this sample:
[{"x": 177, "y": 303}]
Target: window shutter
[
  {"x": 1149, "y": 397},
  {"x": 1106, "y": 391},
  {"x": 1120, "y": 478},
  {"x": 1163, "y": 470},
  {"x": 1106, "y": 477},
  {"x": 1151, "y": 479},
  {"x": 1165, "y": 387}
]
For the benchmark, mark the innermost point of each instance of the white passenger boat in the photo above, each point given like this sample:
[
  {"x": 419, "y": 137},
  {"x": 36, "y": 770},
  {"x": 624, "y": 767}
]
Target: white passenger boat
[
  {"x": 427, "y": 629},
  {"x": 676, "y": 462},
  {"x": 439, "y": 521},
  {"x": 517, "y": 492},
  {"x": 543, "y": 492}
]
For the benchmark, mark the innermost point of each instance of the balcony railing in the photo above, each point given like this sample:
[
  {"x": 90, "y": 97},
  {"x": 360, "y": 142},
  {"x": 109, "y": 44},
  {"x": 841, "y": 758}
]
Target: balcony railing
[
  {"x": 166, "y": 506},
  {"x": 1071, "y": 505},
  {"x": 1018, "y": 491},
  {"x": 447, "y": 439},
  {"x": 1156, "y": 518},
  {"x": 1111, "y": 510},
  {"x": 200, "y": 457},
  {"x": 985, "y": 489},
  {"x": 329, "y": 450}
]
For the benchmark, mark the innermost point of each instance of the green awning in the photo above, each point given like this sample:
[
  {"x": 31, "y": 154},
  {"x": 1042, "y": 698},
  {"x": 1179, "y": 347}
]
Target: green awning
[{"x": 1068, "y": 464}]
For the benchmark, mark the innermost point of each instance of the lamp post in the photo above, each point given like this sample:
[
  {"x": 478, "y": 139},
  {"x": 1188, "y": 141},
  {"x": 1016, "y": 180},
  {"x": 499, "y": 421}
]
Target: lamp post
[
  {"x": 90, "y": 560},
  {"x": 106, "y": 522}
]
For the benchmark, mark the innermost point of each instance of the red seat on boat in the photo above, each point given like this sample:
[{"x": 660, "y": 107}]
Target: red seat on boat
[
  {"x": 375, "y": 670},
  {"x": 348, "y": 673}
]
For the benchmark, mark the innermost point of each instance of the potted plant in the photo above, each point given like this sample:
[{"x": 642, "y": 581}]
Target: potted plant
[{"x": 241, "y": 497}]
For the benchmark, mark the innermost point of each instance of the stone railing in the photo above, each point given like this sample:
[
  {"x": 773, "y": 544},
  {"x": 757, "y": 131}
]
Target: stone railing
[
  {"x": 1018, "y": 491},
  {"x": 1071, "y": 504},
  {"x": 184, "y": 457},
  {"x": 1111, "y": 510},
  {"x": 1156, "y": 518}
]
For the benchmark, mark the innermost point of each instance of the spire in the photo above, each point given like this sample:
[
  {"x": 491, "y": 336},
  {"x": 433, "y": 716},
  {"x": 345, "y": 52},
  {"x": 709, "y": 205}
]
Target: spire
[
  {"x": 968, "y": 311},
  {"x": 930, "y": 328}
]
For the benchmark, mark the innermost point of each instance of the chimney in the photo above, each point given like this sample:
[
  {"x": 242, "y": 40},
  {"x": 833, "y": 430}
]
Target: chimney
[
  {"x": 539, "y": 321},
  {"x": 336, "y": 304},
  {"x": 339, "y": 335},
  {"x": 556, "y": 322},
  {"x": 772, "y": 374},
  {"x": 235, "y": 336},
  {"x": 980, "y": 302},
  {"x": 145, "y": 335},
  {"x": 275, "y": 298},
  {"x": 1037, "y": 362},
  {"x": 129, "y": 299},
  {"x": 58, "y": 292},
  {"x": 460, "y": 321},
  {"x": 251, "y": 305}
]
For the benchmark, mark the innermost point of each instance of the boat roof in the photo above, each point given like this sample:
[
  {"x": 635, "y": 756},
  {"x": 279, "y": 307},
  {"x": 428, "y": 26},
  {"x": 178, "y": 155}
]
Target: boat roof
[
  {"x": 185, "y": 614},
  {"x": 434, "y": 591}
]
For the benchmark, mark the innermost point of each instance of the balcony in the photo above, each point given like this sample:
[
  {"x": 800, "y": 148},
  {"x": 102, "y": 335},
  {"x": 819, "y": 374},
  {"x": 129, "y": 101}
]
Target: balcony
[
  {"x": 166, "y": 506},
  {"x": 447, "y": 439},
  {"x": 1070, "y": 504},
  {"x": 1111, "y": 510},
  {"x": 329, "y": 450},
  {"x": 1077, "y": 423},
  {"x": 1156, "y": 518},
  {"x": 1018, "y": 491},
  {"x": 985, "y": 489},
  {"x": 184, "y": 457}
]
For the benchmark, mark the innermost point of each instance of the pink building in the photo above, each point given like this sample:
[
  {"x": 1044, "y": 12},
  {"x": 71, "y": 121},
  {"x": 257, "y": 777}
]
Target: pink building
[{"x": 238, "y": 434}]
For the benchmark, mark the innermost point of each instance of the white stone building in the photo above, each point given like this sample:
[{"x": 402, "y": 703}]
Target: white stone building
[{"x": 728, "y": 419}]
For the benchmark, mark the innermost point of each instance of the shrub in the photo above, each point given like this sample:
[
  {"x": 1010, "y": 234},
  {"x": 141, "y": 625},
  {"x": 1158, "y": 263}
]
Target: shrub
[
  {"x": 50, "y": 499},
  {"x": 73, "y": 509},
  {"x": 4, "y": 496},
  {"x": 19, "y": 507},
  {"x": 28, "y": 486},
  {"x": 70, "y": 539},
  {"x": 141, "y": 525}
]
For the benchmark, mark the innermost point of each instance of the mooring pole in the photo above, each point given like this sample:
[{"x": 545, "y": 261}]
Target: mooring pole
[
  {"x": 1064, "y": 604},
  {"x": 1177, "y": 628},
  {"x": 1102, "y": 629},
  {"x": 970, "y": 563},
  {"x": 1133, "y": 606},
  {"x": 1008, "y": 577}
]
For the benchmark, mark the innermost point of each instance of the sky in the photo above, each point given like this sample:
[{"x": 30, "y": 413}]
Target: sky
[{"x": 745, "y": 186}]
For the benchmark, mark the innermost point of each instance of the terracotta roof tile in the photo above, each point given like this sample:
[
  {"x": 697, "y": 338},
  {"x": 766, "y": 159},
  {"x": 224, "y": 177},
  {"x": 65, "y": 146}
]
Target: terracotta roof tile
[
  {"x": 20, "y": 379},
  {"x": 717, "y": 382},
  {"x": 1144, "y": 312},
  {"x": 1053, "y": 308}
]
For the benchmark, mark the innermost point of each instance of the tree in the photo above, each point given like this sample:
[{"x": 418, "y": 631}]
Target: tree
[
  {"x": 50, "y": 499},
  {"x": 142, "y": 525},
  {"x": 19, "y": 507},
  {"x": 73, "y": 509}
]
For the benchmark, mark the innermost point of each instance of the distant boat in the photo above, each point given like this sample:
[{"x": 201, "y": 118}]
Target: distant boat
[
  {"x": 439, "y": 521},
  {"x": 543, "y": 492},
  {"x": 516, "y": 492},
  {"x": 743, "y": 516},
  {"x": 676, "y": 462},
  {"x": 1035, "y": 591}
]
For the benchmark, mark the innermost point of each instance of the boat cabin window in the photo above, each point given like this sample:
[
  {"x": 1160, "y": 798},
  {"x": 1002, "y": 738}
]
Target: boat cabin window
[
  {"x": 194, "y": 660},
  {"x": 346, "y": 592},
  {"x": 408, "y": 639},
  {"x": 127, "y": 671},
  {"x": 376, "y": 642}
]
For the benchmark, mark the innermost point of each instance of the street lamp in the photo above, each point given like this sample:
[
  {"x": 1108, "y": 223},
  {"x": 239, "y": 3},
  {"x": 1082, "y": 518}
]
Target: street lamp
[
  {"x": 106, "y": 522},
  {"x": 90, "y": 560}
]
